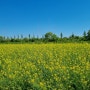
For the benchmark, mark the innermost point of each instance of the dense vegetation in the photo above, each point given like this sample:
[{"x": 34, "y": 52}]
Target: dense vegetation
[
  {"x": 45, "y": 67},
  {"x": 48, "y": 37}
]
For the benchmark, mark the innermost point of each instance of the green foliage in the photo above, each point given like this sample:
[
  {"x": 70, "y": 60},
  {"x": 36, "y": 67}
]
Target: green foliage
[
  {"x": 47, "y": 38},
  {"x": 2, "y": 39},
  {"x": 61, "y": 35},
  {"x": 88, "y": 35}
]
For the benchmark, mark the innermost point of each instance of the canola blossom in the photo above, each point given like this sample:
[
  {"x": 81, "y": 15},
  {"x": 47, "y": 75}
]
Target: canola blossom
[{"x": 45, "y": 66}]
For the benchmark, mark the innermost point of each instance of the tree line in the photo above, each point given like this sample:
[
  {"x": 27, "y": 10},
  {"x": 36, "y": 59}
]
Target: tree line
[{"x": 46, "y": 38}]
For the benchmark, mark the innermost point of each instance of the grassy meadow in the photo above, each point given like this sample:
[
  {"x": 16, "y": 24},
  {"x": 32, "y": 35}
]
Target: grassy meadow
[{"x": 45, "y": 66}]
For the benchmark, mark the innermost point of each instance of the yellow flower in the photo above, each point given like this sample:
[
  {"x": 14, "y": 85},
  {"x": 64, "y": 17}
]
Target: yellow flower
[
  {"x": 41, "y": 84},
  {"x": 32, "y": 80}
]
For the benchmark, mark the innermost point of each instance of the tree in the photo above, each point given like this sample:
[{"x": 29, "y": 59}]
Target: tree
[
  {"x": 25, "y": 39},
  {"x": 1, "y": 39},
  {"x": 72, "y": 36},
  {"x": 7, "y": 39},
  {"x": 88, "y": 35},
  {"x": 54, "y": 38},
  {"x": 33, "y": 38},
  {"x": 84, "y": 34},
  {"x": 49, "y": 36},
  {"x": 61, "y": 35},
  {"x": 29, "y": 37}
]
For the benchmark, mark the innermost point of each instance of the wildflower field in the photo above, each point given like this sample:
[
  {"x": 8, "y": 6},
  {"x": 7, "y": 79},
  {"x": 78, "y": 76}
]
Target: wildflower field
[{"x": 45, "y": 66}]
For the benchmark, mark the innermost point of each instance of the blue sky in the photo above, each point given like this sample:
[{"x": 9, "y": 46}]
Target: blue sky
[{"x": 40, "y": 16}]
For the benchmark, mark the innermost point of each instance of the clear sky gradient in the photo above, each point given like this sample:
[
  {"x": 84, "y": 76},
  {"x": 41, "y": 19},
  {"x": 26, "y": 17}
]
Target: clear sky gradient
[{"x": 40, "y": 16}]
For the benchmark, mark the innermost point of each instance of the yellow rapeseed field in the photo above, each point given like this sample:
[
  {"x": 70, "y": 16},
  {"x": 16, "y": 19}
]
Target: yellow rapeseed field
[{"x": 45, "y": 66}]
